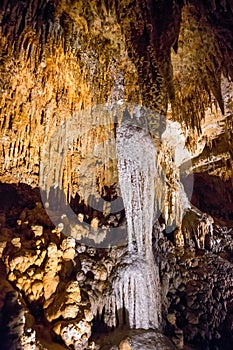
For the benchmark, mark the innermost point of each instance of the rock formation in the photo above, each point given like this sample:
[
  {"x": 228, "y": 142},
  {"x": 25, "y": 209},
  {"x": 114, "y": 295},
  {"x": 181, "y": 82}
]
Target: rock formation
[{"x": 116, "y": 174}]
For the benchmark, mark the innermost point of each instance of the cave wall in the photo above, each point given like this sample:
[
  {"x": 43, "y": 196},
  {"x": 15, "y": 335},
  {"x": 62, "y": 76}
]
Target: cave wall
[{"x": 61, "y": 57}]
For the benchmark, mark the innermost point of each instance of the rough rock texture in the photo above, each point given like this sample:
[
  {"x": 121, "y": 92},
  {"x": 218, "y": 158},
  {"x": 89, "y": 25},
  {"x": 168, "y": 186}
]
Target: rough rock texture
[
  {"x": 196, "y": 287},
  {"x": 60, "y": 57},
  {"x": 135, "y": 340},
  {"x": 60, "y": 283}
]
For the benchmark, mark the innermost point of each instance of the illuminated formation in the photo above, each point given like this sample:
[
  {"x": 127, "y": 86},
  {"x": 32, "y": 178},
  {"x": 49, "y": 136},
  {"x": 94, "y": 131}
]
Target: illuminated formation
[{"x": 116, "y": 174}]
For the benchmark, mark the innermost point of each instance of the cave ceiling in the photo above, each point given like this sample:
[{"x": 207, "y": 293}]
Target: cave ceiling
[
  {"x": 60, "y": 57},
  {"x": 66, "y": 59}
]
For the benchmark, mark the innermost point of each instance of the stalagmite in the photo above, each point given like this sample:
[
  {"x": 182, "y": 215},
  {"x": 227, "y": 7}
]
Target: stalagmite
[{"x": 135, "y": 291}]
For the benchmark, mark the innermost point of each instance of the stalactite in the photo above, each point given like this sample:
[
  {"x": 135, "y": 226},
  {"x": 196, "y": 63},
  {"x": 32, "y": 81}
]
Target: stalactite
[
  {"x": 135, "y": 179},
  {"x": 170, "y": 194},
  {"x": 196, "y": 226},
  {"x": 135, "y": 286},
  {"x": 190, "y": 104},
  {"x": 53, "y": 41},
  {"x": 62, "y": 58}
]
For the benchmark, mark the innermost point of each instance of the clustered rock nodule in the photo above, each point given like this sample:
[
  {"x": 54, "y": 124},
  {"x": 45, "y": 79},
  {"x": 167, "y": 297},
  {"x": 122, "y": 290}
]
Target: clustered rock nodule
[
  {"x": 50, "y": 281},
  {"x": 197, "y": 291},
  {"x": 59, "y": 280}
]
